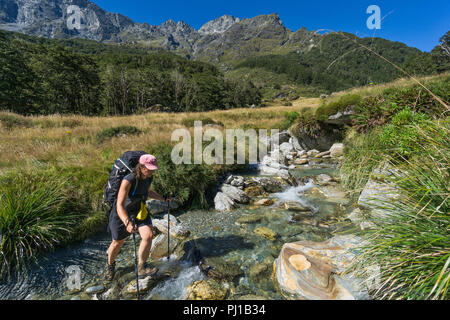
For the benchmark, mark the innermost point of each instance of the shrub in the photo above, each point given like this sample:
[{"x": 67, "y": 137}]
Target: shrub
[
  {"x": 116, "y": 132},
  {"x": 288, "y": 121},
  {"x": 345, "y": 101},
  {"x": 189, "y": 183}
]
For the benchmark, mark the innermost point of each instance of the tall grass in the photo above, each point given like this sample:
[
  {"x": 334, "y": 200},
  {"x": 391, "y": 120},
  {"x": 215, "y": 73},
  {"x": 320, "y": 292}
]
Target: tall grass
[
  {"x": 37, "y": 213},
  {"x": 411, "y": 243}
]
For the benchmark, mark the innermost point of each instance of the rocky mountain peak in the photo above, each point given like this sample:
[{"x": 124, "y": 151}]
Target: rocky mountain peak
[{"x": 218, "y": 25}]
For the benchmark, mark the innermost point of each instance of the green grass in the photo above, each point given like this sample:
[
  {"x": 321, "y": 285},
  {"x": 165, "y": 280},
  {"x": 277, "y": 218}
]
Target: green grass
[
  {"x": 189, "y": 122},
  {"x": 117, "y": 132},
  {"x": 411, "y": 244},
  {"x": 328, "y": 109},
  {"x": 37, "y": 213}
]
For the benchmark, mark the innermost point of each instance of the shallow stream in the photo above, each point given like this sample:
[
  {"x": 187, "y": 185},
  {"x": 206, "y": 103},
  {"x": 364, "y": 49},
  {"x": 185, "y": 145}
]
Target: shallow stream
[{"x": 218, "y": 236}]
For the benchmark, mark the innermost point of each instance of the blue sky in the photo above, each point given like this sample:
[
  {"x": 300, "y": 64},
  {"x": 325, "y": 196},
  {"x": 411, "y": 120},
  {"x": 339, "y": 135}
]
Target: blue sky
[{"x": 417, "y": 23}]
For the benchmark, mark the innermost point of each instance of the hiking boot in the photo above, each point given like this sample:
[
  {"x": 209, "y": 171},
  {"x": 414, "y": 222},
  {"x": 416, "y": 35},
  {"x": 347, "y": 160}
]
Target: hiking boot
[
  {"x": 110, "y": 271},
  {"x": 144, "y": 269}
]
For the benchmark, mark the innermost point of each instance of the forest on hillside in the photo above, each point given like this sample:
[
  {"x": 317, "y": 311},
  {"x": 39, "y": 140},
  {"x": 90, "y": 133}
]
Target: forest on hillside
[{"x": 41, "y": 76}]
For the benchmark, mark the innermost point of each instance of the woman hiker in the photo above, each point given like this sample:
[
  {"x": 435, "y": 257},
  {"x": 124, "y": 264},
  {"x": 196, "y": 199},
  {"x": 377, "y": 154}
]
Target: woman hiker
[{"x": 134, "y": 190}]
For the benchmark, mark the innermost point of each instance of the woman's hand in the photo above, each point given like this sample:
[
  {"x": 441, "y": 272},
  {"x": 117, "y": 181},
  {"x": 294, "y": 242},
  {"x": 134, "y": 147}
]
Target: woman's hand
[{"x": 131, "y": 228}]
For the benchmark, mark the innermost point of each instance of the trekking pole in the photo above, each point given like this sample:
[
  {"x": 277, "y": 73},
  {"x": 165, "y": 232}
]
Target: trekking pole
[
  {"x": 168, "y": 230},
  {"x": 135, "y": 260}
]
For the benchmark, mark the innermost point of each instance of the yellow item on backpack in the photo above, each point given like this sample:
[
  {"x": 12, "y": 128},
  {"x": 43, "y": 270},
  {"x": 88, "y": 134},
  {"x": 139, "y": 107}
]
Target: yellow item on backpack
[{"x": 143, "y": 212}]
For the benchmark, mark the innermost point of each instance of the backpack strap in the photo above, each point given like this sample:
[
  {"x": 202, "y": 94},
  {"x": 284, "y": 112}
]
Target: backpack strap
[{"x": 135, "y": 187}]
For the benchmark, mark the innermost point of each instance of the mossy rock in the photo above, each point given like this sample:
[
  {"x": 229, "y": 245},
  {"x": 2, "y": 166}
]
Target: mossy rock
[{"x": 208, "y": 289}]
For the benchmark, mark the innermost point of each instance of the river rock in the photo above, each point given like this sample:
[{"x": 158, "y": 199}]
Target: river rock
[
  {"x": 337, "y": 150},
  {"x": 314, "y": 270},
  {"x": 159, "y": 246},
  {"x": 286, "y": 148},
  {"x": 177, "y": 229},
  {"x": 323, "y": 179},
  {"x": 235, "y": 193},
  {"x": 208, "y": 289},
  {"x": 250, "y": 218},
  {"x": 254, "y": 191},
  {"x": 266, "y": 233},
  {"x": 269, "y": 184},
  {"x": 112, "y": 293},
  {"x": 295, "y": 206},
  {"x": 322, "y": 154},
  {"x": 264, "y": 202},
  {"x": 235, "y": 181},
  {"x": 312, "y": 153},
  {"x": 144, "y": 285},
  {"x": 300, "y": 162},
  {"x": 262, "y": 269},
  {"x": 296, "y": 144},
  {"x": 379, "y": 194},
  {"x": 223, "y": 203},
  {"x": 95, "y": 289},
  {"x": 156, "y": 207},
  {"x": 220, "y": 269}
]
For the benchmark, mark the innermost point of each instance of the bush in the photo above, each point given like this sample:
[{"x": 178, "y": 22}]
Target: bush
[
  {"x": 116, "y": 132},
  {"x": 410, "y": 244},
  {"x": 345, "y": 101},
  {"x": 189, "y": 183},
  {"x": 289, "y": 119}
]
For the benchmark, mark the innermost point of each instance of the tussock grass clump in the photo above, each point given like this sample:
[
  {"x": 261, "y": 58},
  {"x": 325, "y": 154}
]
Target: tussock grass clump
[
  {"x": 37, "y": 213},
  {"x": 411, "y": 243},
  {"x": 11, "y": 121},
  {"x": 117, "y": 132},
  {"x": 189, "y": 122}
]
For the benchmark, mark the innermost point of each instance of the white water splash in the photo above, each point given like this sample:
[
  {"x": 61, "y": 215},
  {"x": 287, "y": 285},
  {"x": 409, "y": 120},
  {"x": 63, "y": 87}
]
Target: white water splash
[
  {"x": 175, "y": 289},
  {"x": 293, "y": 194}
]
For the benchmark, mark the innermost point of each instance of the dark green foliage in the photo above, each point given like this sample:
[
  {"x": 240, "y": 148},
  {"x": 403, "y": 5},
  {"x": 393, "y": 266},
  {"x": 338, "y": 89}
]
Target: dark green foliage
[
  {"x": 410, "y": 244},
  {"x": 345, "y": 101},
  {"x": 374, "y": 111},
  {"x": 337, "y": 63},
  {"x": 116, "y": 132},
  {"x": 288, "y": 121},
  {"x": 37, "y": 213},
  {"x": 43, "y": 76},
  {"x": 434, "y": 62},
  {"x": 189, "y": 183}
]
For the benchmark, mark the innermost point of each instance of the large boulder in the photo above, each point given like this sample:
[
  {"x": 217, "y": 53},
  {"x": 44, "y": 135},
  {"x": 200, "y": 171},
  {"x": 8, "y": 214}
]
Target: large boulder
[
  {"x": 379, "y": 194},
  {"x": 235, "y": 193},
  {"x": 177, "y": 229},
  {"x": 159, "y": 246},
  {"x": 223, "y": 203},
  {"x": 337, "y": 150},
  {"x": 315, "y": 270}
]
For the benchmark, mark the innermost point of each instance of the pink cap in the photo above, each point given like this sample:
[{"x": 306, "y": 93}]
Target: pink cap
[{"x": 149, "y": 162}]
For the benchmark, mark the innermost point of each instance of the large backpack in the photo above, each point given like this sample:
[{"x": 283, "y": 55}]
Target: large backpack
[{"x": 122, "y": 167}]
